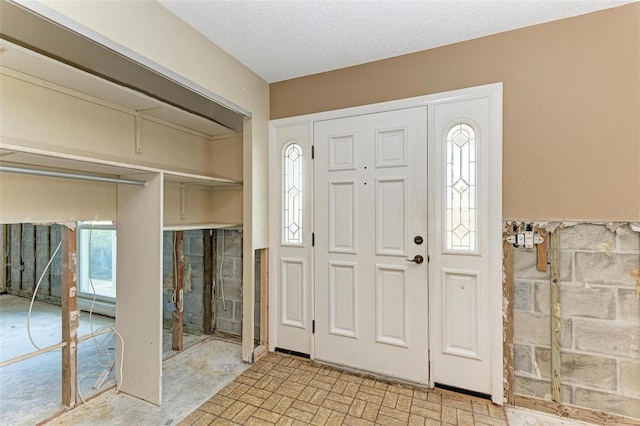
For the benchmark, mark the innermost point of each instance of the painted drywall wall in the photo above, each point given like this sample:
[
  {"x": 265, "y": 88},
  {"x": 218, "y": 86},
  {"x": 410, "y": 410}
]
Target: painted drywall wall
[
  {"x": 39, "y": 115},
  {"x": 151, "y": 31},
  {"x": 226, "y": 157},
  {"x": 571, "y": 108}
]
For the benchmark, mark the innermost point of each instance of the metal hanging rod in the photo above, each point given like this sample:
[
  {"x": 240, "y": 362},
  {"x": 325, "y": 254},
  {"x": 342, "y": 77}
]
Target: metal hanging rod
[{"x": 64, "y": 175}]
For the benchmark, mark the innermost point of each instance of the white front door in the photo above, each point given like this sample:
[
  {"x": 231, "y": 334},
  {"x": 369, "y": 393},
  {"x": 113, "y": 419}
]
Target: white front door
[
  {"x": 382, "y": 176},
  {"x": 370, "y": 205}
]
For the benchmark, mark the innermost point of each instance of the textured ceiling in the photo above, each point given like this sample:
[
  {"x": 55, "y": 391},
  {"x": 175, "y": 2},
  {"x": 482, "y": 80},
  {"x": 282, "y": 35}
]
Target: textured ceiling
[{"x": 280, "y": 40}]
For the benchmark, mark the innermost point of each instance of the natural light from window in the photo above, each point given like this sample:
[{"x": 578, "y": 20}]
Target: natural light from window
[{"x": 97, "y": 259}]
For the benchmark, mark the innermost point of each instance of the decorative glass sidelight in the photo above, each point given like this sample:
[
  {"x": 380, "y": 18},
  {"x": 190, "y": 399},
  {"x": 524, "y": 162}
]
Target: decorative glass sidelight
[
  {"x": 461, "y": 191},
  {"x": 292, "y": 166}
]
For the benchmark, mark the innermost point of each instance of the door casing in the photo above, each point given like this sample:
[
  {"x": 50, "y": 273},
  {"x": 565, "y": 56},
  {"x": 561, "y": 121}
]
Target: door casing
[{"x": 491, "y": 91}]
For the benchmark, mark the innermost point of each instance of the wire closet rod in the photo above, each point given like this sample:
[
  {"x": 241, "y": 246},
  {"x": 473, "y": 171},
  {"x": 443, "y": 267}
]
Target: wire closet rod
[{"x": 64, "y": 175}]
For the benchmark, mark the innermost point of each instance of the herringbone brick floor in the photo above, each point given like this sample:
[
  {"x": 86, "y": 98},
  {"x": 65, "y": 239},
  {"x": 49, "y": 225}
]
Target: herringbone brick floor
[{"x": 286, "y": 390}]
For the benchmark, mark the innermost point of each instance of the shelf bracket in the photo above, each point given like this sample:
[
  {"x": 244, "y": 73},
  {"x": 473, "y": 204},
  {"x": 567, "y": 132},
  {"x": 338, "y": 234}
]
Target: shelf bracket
[
  {"x": 139, "y": 121},
  {"x": 183, "y": 200}
]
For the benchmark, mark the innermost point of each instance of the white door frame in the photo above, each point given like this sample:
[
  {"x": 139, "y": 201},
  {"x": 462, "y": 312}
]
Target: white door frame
[{"x": 494, "y": 93}]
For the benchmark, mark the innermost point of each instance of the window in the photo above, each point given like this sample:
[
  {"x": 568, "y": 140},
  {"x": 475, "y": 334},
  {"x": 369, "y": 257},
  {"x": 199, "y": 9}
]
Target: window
[
  {"x": 461, "y": 212},
  {"x": 97, "y": 259},
  {"x": 292, "y": 196}
]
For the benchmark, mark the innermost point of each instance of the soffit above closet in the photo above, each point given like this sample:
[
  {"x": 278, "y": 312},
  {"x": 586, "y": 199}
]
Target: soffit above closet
[{"x": 55, "y": 54}]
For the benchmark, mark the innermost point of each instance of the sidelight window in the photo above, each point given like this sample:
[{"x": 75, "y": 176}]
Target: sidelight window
[
  {"x": 293, "y": 194},
  {"x": 461, "y": 191}
]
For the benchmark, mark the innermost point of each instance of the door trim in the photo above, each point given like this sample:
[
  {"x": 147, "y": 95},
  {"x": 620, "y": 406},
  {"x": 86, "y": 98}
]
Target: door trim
[{"x": 491, "y": 91}]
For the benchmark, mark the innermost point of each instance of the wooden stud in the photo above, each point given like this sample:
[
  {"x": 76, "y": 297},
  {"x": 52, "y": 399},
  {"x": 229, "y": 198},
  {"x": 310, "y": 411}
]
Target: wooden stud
[
  {"x": 556, "y": 337},
  {"x": 3, "y": 262},
  {"x": 264, "y": 297},
  {"x": 207, "y": 284},
  {"x": 214, "y": 279},
  {"x": 572, "y": 412},
  {"x": 178, "y": 316},
  {"x": 70, "y": 318},
  {"x": 508, "y": 330},
  {"x": 541, "y": 249}
]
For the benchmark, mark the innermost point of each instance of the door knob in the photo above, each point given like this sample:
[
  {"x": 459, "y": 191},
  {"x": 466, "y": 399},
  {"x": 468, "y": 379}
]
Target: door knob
[{"x": 417, "y": 259}]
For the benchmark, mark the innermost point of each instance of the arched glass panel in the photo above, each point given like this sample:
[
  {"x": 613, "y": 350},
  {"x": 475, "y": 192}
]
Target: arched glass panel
[
  {"x": 461, "y": 191},
  {"x": 292, "y": 197}
]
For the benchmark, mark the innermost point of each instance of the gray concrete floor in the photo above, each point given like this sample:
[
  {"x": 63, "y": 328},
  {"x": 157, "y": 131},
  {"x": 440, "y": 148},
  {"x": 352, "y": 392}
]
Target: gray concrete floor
[{"x": 30, "y": 390}]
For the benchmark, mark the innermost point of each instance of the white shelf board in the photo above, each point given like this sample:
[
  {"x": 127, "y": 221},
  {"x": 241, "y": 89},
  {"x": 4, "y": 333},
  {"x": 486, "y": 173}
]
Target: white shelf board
[{"x": 12, "y": 152}]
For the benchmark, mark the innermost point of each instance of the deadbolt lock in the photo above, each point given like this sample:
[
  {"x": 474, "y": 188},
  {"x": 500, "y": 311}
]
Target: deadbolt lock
[{"x": 418, "y": 240}]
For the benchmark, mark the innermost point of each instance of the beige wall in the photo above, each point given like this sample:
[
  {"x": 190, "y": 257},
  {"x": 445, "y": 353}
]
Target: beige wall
[
  {"x": 42, "y": 116},
  {"x": 571, "y": 108}
]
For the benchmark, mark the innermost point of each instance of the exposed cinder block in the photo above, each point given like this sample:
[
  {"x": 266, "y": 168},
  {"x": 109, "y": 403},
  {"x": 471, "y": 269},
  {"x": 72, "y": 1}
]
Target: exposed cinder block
[
  {"x": 606, "y": 338},
  {"x": 628, "y": 305},
  {"x": 238, "y": 267},
  {"x": 598, "y": 372},
  {"x": 193, "y": 243},
  {"x": 627, "y": 240},
  {"x": 523, "y": 358},
  {"x": 578, "y": 300},
  {"x": 56, "y": 285},
  {"x": 232, "y": 289},
  {"x": 535, "y": 329},
  {"x": 237, "y": 311},
  {"x": 606, "y": 268},
  {"x": 227, "y": 326},
  {"x": 540, "y": 389},
  {"x": 587, "y": 237},
  {"x": 630, "y": 378},
  {"x": 193, "y": 303},
  {"x": 232, "y": 241},
  {"x": 195, "y": 319},
  {"x": 522, "y": 295},
  {"x": 55, "y": 270},
  {"x": 42, "y": 259},
  {"x": 15, "y": 275},
  {"x": 524, "y": 265},
  {"x": 224, "y": 310},
  {"x": 28, "y": 257},
  {"x": 608, "y": 402},
  {"x": 228, "y": 267}
]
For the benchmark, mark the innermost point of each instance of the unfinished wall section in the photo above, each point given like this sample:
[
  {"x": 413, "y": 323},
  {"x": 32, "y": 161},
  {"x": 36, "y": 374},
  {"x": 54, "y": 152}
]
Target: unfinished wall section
[
  {"x": 29, "y": 248},
  {"x": 600, "y": 317},
  {"x": 193, "y": 249},
  {"x": 229, "y": 282}
]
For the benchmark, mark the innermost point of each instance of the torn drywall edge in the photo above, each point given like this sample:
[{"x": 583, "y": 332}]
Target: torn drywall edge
[{"x": 551, "y": 226}]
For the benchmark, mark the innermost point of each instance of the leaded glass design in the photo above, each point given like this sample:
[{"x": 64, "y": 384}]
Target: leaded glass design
[
  {"x": 293, "y": 194},
  {"x": 461, "y": 213}
]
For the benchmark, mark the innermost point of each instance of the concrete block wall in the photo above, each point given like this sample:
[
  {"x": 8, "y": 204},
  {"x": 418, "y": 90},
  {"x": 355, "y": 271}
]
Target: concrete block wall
[
  {"x": 600, "y": 314},
  {"x": 229, "y": 282},
  {"x": 193, "y": 250},
  {"x": 29, "y": 249}
]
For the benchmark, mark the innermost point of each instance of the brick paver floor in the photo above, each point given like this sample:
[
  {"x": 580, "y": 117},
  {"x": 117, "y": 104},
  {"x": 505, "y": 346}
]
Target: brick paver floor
[{"x": 287, "y": 390}]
